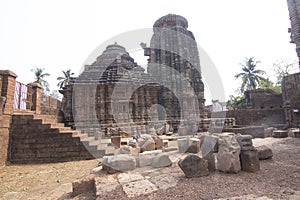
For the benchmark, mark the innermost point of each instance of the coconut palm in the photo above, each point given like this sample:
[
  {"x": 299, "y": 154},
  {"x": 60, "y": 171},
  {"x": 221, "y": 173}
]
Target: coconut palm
[
  {"x": 63, "y": 81},
  {"x": 251, "y": 77},
  {"x": 39, "y": 77}
]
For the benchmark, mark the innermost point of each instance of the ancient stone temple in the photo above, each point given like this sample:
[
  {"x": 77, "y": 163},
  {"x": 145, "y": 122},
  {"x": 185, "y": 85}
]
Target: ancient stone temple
[
  {"x": 174, "y": 60},
  {"x": 114, "y": 91},
  {"x": 291, "y": 83},
  {"x": 294, "y": 12}
]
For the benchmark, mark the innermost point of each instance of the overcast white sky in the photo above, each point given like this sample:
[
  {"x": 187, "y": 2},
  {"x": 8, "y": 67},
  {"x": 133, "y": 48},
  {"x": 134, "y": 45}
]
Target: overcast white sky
[{"x": 57, "y": 35}]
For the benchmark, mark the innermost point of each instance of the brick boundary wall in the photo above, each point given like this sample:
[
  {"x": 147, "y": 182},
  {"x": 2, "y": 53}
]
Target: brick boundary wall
[{"x": 257, "y": 117}]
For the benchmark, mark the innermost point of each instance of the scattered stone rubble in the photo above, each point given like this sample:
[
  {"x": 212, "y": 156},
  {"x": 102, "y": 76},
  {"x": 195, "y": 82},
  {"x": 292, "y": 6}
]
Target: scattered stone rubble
[{"x": 226, "y": 152}]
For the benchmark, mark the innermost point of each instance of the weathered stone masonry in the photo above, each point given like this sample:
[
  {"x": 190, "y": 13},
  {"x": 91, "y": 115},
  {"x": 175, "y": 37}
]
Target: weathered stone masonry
[{"x": 103, "y": 87}]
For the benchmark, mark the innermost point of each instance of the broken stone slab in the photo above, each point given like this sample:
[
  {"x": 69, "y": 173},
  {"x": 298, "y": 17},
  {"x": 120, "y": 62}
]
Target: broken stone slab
[
  {"x": 211, "y": 161},
  {"x": 159, "y": 143},
  {"x": 280, "y": 134},
  {"x": 194, "y": 166},
  {"x": 146, "y": 143},
  {"x": 145, "y": 159},
  {"x": 194, "y": 145},
  {"x": 209, "y": 143},
  {"x": 229, "y": 154},
  {"x": 161, "y": 160},
  {"x": 128, "y": 150},
  {"x": 264, "y": 152},
  {"x": 269, "y": 131},
  {"x": 245, "y": 142},
  {"x": 250, "y": 160},
  {"x": 168, "y": 149},
  {"x": 188, "y": 145},
  {"x": 118, "y": 163}
]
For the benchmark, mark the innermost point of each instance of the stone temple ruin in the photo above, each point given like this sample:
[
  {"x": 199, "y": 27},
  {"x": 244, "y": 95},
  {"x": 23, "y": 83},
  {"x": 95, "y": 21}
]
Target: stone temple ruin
[
  {"x": 129, "y": 118},
  {"x": 114, "y": 91}
]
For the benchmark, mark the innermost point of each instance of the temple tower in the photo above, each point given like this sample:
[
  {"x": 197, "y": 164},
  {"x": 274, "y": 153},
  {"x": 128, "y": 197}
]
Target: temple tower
[
  {"x": 294, "y": 12},
  {"x": 174, "y": 61}
]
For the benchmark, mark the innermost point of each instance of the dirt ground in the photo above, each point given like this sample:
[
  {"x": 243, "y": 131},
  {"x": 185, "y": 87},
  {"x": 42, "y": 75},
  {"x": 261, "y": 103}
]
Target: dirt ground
[{"x": 279, "y": 178}]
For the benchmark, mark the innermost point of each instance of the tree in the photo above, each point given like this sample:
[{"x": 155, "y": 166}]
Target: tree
[
  {"x": 251, "y": 77},
  {"x": 55, "y": 94},
  {"x": 268, "y": 84},
  {"x": 283, "y": 68},
  {"x": 39, "y": 78},
  {"x": 236, "y": 102},
  {"x": 63, "y": 81}
]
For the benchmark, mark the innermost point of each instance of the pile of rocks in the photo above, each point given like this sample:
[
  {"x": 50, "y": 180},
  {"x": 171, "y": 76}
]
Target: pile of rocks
[
  {"x": 227, "y": 152},
  {"x": 235, "y": 152}
]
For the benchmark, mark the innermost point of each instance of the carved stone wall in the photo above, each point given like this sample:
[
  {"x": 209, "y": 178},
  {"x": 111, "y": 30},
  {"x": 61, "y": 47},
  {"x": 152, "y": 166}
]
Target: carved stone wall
[
  {"x": 116, "y": 90},
  {"x": 291, "y": 98},
  {"x": 294, "y": 12}
]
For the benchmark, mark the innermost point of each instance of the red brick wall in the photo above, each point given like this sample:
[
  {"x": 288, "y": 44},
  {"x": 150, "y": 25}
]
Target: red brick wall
[
  {"x": 7, "y": 89},
  {"x": 33, "y": 142}
]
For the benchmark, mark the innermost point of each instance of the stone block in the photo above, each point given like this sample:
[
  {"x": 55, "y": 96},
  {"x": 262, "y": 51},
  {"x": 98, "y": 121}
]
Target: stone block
[
  {"x": 211, "y": 161},
  {"x": 250, "y": 160},
  {"x": 269, "y": 131},
  {"x": 146, "y": 143},
  {"x": 264, "y": 152},
  {"x": 168, "y": 149},
  {"x": 159, "y": 143},
  {"x": 245, "y": 142},
  {"x": 145, "y": 159},
  {"x": 229, "y": 153},
  {"x": 118, "y": 163},
  {"x": 194, "y": 166},
  {"x": 280, "y": 134},
  {"x": 85, "y": 185},
  {"x": 183, "y": 131},
  {"x": 209, "y": 143},
  {"x": 161, "y": 160},
  {"x": 182, "y": 145},
  {"x": 188, "y": 145},
  {"x": 116, "y": 141}
]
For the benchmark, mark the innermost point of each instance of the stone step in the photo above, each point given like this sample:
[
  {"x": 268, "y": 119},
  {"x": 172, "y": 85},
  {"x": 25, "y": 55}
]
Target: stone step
[
  {"x": 62, "y": 128},
  {"x": 86, "y": 139},
  {"x": 74, "y": 133},
  {"x": 58, "y": 125},
  {"x": 29, "y": 112}
]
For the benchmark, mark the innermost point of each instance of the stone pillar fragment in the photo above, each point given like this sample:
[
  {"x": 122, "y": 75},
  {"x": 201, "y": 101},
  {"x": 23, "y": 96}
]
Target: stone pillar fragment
[
  {"x": 250, "y": 160},
  {"x": 229, "y": 154},
  {"x": 8, "y": 89},
  {"x": 36, "y": 97}
]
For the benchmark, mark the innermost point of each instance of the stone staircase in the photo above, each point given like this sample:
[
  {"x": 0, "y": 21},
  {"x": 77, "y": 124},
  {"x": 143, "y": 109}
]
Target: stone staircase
[{"x": 39, "y": 138}]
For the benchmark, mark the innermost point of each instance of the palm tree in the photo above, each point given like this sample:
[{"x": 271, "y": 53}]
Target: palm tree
[
  {"x": 63, "y": 81},
  {"x": 250, "y": 76},
  {"x": 39, "y": 77}
]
